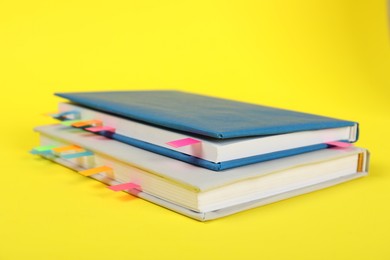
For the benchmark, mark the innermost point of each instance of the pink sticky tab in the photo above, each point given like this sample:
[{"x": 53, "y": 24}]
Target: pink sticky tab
[
  {"x": 339, "y": 144},
  {"x": 183, "y": 142},
  {"x": 100, "y": 128},
  {"x": 124, "y": 186}
]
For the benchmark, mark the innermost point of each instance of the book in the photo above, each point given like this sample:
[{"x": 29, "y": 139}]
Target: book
[
  {"x": 193, "y": 191},
  {"x": 229, "y": 134}
]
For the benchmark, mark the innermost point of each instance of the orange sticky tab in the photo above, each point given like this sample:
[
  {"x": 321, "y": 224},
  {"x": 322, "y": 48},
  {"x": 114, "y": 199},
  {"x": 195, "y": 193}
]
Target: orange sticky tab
[
  {"x": 68, "y": 148},
  {"x": 87, "y": 123},
  {"x": 96, "y": 170}
]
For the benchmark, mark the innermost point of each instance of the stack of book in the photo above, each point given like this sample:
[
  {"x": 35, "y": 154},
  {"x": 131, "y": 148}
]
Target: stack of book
[{"x": 200, "y": 156}]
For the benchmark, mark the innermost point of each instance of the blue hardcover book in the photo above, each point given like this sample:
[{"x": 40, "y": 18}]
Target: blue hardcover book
[{"x": 227, "y": 133}]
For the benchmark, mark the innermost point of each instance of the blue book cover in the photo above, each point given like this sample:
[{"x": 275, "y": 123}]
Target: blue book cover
[
  {"x": 203, "y": 115},
  {"x": 206, "y": 116}
]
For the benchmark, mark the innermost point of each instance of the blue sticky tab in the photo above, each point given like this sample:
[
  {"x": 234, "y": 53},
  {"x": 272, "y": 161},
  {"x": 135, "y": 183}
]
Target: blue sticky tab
[
  {"x": 76, "y": 155},
  {"x": 46, "y": 152},
  {"x": 45, "y": 149},
  {"x": 61, "y": 116}
]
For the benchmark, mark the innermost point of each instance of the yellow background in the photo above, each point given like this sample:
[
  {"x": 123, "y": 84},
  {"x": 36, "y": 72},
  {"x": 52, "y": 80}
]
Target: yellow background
[{"x": 326, "y": 57}]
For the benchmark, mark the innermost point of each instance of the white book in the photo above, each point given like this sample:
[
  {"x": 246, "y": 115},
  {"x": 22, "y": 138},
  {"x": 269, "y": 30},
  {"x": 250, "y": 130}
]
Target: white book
[
  {"x": 201, "y": 193},
  {"x": 217, "y": 153}
]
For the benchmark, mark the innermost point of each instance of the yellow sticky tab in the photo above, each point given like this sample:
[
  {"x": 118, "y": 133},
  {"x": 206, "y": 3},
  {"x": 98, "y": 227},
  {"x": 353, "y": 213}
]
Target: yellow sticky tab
[
  {"x": 68, "y": 148},
  {"x": 87, "y": 123},
  {"x": 96, "y": 170}
]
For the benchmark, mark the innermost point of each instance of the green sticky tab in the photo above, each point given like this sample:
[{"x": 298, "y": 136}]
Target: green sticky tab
[
  {"x": 70, "y": 122},
  {"x": 45, "y": 148}
]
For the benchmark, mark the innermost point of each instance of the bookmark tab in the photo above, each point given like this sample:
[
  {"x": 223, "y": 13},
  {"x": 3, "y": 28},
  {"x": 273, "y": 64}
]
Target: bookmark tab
[
  {"x": 74, "y": 114},
  {"x": 68, "y": 148},
  {"x": 339, "y": 144},
  {"x": 76, "y": 155},
  {"x": 124, "y": 186},
  {"x": 96, "y": 170},
  {"x": 183, "y": 142},
  {"x": 100, "y": 129},
  {"x": 70, "y": 122},
  {"x": 46, "y": 149},
  {"x": 87, "y": 123}
]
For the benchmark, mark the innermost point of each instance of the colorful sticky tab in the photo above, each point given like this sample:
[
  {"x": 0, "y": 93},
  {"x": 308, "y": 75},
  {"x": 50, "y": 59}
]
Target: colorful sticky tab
[
  {"x": 124, "y": 186},
  {"x": 183, "y": 142},
  {"x": 87, "y": 123},
  {"x": 46, "y": 149},
  {"x": 76, "y": 155},
  {"x": 96, "y": 170},
  {"x": 63, "y": 115},
  {"x": 100, "y": 129},
  {"x": 69, "y": 122},
  {"x": 67, "y": 148},
  {"x": 41, "y": 152},
  {"x": 339, "y": 144}
]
